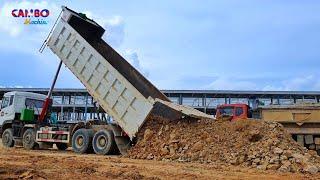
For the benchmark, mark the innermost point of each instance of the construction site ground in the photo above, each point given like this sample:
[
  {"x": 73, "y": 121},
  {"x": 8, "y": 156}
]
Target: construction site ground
[{"x": 17, "y": 163}]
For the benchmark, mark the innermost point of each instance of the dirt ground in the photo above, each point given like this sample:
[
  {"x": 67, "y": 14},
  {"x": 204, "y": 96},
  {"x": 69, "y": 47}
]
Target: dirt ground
[{"x": 17, "y": 163}]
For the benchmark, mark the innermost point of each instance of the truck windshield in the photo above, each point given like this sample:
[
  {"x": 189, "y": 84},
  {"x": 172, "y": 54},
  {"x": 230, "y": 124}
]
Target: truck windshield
[
  {"x": 226, "y": 111},
  {"x": 5, "y": 102},
  {"x": 34, "y": 103}
]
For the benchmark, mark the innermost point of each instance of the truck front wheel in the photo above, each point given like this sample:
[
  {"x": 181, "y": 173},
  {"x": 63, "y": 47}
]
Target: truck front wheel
[
  {"x": 29, "y": 139},
  {"x": 103, "y": 142},
  {"x": 7, "y": 138},
  {"x": 82, "y": 141}
]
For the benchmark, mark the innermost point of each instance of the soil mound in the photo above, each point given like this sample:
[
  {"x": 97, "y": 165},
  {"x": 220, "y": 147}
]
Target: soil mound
[{"x": 248, "y": 143}]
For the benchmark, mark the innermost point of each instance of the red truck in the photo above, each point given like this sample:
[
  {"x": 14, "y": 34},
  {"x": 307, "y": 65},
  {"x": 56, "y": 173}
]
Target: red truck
[{"x": 236, "y": 111}]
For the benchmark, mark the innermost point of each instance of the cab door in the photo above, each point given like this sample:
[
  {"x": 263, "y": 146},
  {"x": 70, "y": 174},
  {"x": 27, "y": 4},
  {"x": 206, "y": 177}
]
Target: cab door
[
  {"x": 7, "y": 109},
  {"x": 240, "y": 113}
]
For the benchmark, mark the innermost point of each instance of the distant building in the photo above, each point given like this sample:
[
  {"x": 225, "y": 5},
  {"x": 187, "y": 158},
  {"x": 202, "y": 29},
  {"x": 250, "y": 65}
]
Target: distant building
[{"x": 72, "y": 104}]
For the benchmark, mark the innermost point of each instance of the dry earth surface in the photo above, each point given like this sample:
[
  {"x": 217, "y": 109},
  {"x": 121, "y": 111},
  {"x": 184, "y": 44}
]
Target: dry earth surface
[{"x": 17, "y": 163}]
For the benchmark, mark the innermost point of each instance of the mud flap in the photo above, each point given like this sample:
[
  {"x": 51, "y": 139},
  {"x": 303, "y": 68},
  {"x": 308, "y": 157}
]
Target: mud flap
[{"x": 123, "y": 144}]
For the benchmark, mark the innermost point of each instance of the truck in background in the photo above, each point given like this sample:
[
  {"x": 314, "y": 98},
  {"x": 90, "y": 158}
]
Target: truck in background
[
  {"x": 302, "y": 121},
  {"x": 234, "y": 111},
  {"x": 15, "y": 106}
]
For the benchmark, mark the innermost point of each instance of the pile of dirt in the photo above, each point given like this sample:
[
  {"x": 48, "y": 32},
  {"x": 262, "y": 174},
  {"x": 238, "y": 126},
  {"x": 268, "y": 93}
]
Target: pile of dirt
[{"x": 246, "y": 143}]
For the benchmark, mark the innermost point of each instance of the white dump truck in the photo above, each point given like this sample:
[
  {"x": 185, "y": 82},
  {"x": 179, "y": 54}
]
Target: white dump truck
[{"x": 118, "y": 87}]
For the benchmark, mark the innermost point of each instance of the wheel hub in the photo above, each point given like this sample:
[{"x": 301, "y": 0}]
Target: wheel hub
[
  {"x": 80, "y": 141},
  {"x": 27, "y": 138},
  {"x": 102, "y": 142}
]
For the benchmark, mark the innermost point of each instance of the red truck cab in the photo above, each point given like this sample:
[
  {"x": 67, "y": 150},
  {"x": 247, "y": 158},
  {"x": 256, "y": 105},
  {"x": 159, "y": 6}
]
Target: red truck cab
[{"x": 236, "y": 111}]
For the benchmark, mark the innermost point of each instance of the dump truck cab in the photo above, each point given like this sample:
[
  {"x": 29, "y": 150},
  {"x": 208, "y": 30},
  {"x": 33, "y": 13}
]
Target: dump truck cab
[
  {"x": 235, "y": 111},
  {"x": 13, "y": 103}
]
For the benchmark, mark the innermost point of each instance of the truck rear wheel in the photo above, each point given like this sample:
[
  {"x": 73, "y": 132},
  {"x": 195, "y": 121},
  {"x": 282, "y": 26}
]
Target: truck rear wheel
[
  {"x": 29, "y": 139},
  {"x": 7, "y": 138},
  {"x": 62, "y": 146},
  {"x": 82, "y": 141},
  {"x": 103, "y": 142}
]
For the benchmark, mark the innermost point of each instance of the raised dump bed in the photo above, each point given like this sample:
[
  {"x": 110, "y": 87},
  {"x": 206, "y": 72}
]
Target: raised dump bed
[{"x": 117, "y": 86}]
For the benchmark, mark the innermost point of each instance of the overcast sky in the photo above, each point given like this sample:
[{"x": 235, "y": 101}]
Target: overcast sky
[{"x": 238, "y": 45}]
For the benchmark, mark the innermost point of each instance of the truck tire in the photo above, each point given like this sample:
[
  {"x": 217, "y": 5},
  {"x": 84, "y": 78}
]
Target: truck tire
[
  {"x": 103, "y": 142},
  {"x": 62, "y": 146},
  {"x": 29, "y": 139},
  {"x": 7, "y": 138},
  {"x": 82, "y": 141}
]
